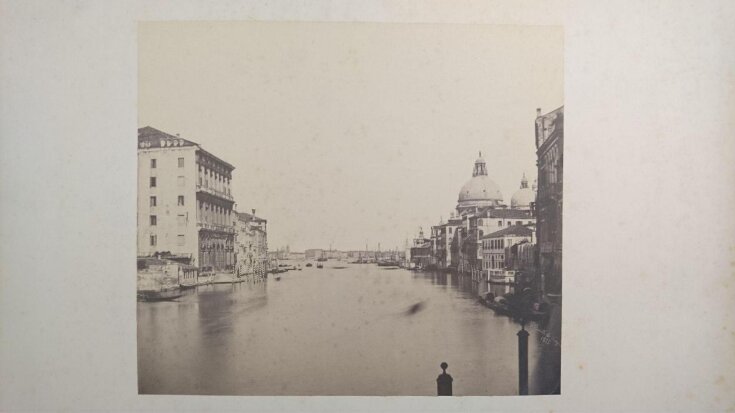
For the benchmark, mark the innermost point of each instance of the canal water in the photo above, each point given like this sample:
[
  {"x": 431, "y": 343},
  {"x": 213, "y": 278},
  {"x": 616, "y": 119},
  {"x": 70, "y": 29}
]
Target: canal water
[{"x": 359, "y": 330}]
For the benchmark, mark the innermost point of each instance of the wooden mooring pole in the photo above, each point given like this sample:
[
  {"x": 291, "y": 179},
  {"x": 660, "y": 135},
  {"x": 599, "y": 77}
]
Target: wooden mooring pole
[{"x": 523, "y": 361}]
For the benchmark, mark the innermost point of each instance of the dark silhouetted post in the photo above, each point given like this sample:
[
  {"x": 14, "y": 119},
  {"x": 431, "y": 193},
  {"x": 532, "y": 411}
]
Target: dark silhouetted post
[
  {"x": 444, "y": 382},
  {"x": 523, "y": 361}
]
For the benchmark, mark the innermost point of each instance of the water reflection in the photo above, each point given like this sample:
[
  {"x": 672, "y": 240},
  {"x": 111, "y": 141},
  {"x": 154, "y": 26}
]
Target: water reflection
[{"x": 361, "y": 330}]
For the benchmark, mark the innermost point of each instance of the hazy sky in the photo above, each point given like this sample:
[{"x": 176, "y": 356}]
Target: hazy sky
[{"x": 347, "y": 133}]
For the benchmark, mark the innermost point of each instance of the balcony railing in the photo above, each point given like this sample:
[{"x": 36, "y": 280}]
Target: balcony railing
[
  {"x": 214, "y": 192},
  {"x": 216, "y": 227}
]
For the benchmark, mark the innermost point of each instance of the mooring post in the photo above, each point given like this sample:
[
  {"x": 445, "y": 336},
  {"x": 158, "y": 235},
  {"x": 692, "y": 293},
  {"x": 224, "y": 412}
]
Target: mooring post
[
  {"x": 444, "y": 382},
  {"x": 523, "y": 360}
]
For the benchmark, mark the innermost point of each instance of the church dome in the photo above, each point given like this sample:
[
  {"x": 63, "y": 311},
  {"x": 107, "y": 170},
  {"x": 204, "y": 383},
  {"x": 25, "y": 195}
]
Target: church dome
[
  {"x": 480, "y": 190},
  {"x": 523, "y": 197}
]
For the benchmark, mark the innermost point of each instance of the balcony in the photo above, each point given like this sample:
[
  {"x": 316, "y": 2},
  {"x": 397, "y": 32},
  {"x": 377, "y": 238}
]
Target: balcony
[
  {"x": 216, "y": 227},
  {"x": 213, "y": 192}
]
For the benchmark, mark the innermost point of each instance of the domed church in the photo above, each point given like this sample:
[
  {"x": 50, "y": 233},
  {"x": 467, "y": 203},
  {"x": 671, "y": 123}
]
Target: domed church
[
  {"x": 523, "y": 197},
  {"x": 480, "y": 191}
]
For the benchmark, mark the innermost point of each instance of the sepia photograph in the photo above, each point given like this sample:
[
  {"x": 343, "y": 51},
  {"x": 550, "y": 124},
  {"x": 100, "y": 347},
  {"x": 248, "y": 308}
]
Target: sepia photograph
[
  {"x": 367, "y": 206},
  {"x": 349, "y": 209}
]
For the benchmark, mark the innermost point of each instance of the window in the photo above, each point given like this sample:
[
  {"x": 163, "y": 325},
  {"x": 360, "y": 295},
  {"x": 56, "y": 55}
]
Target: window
[
  {"x": 479, "y": 222},
  {"x": 181, "y": 220},
  {"x": 500, "y": 223},
  {"x": 180, "y": 181},
  {"x": 154, "y": 220},
  {"x": 153, "y": 201},
  {"x": 153, "y": 164},
  {"x": 180, "y": 202},
  {"x": 181, "y": 162},
  {"x": 153, "y": 182},
  {"x": 153, "y": 240},
  {"x": 509, "y": 223},
  {"x": 180, "y": 240}
]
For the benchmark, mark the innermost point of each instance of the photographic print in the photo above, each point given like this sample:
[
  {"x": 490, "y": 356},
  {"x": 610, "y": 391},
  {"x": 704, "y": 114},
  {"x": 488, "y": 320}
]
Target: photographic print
[{"x": 355, "y": 209}]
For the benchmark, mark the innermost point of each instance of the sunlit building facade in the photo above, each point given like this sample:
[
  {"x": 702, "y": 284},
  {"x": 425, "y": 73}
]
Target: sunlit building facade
[{"x": 184, "y": 202}]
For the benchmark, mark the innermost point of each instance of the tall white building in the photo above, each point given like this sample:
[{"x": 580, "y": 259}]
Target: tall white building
[{"x": 184, "y": 202}]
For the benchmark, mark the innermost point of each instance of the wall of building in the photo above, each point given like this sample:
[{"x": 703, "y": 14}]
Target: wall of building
[
  {"x": 494, "y": 224},
  {"x": 176, "y": 225},
  {"x": 549, "y": 202},
  {"x": 214, "y": 214},
  {"x": 494, "y": 250}
]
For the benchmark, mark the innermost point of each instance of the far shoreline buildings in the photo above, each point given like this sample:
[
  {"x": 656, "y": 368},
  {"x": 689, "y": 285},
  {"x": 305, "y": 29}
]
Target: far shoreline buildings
[
  {"x": 485, "y": 238},
  {"x": 457, "y": 244}
]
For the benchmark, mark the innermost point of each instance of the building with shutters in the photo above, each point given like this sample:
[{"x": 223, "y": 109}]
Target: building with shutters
[
  {"x": 251, "y": 241},
  {"x": 184, "y": 203}
]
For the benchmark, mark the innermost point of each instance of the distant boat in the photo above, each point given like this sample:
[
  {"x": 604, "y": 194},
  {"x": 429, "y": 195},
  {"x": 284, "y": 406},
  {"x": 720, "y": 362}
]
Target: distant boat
[
  {"x": 388, "y": 263},
  {"x": 320, "y": 265},
  {"x": 308, "y": 265}
]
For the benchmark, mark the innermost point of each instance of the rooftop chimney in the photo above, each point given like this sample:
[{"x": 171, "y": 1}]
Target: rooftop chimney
[
  {"x": 253, "y": 211},
  {"x": 538, "y": 112}
]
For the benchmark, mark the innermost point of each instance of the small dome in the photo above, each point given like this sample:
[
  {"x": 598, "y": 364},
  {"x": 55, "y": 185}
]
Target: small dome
[
  {"x": 522, "y": 198},
  {"x": 480, "y": 188}
]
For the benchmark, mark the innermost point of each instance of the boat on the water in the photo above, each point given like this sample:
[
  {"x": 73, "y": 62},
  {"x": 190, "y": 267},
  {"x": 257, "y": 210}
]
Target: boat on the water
[
  {"x": 497, "y": 304},
  {"x": 308, "y": 265},
  {"x": 162, "y": 294},
  {"x": 320, "y": 265},
  {"x": 388, "y": 263},
  {"x": 513, "y": 306},
  {"x": 160, "y": 279}
]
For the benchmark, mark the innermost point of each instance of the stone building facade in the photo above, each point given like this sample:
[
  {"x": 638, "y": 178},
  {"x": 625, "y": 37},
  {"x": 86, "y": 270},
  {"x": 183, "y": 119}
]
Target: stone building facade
[
  {"x": 457, "y": 244},
  {"x": 184, "y": 202},
  {"x": 251, "y": 239},
  {"x": 549, "y": 200},
  {"x": 495, "y": 248}
]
